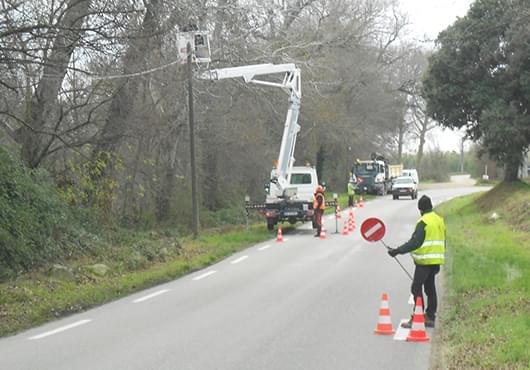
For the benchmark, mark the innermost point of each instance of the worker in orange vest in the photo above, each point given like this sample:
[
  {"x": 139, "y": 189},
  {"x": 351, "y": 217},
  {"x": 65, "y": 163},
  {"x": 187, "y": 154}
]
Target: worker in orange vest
[{"x": 319, "y": 205}]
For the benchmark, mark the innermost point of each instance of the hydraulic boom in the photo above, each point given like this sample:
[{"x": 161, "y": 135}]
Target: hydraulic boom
[{"x": 292, "y": 85}]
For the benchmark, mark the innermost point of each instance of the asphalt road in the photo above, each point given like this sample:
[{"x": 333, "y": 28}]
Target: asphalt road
[{"x": 302, "y": 304}]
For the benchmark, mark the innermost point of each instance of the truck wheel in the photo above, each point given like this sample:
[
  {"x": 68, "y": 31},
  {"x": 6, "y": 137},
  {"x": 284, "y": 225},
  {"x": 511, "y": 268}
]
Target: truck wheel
[{"x": 270, "y": 224}]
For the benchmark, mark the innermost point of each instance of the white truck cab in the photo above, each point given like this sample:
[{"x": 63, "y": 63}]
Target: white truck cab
[
  {"x": 412, "y": 173},
  {"x": 305, "y": 180}
]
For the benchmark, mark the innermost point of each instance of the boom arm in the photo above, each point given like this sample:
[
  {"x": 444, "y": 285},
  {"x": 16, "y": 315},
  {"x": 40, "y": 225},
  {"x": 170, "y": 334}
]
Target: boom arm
[{"x": 292, "y": 85}]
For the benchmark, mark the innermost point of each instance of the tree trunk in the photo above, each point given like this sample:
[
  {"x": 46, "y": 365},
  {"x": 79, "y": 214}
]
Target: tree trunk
[
  {"x": 401, "y": 137},
  {"x": 423, "y": 133},
  {"x": 512, "y": 165},
  {"x": 44, "y": 107},
  {"x": 122, "y": 104}
]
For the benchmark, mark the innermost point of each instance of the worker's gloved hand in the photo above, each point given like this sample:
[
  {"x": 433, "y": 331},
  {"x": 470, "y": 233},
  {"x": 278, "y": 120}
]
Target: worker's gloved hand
[{"x": 392, "y": 252}]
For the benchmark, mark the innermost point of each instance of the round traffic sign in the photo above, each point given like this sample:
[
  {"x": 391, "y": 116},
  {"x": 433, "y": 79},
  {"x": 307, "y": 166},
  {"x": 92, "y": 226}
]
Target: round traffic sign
[{"x": 373, "y": 229}]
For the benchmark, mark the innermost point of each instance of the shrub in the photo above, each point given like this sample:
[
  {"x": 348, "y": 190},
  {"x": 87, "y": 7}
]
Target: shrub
[{"x": 35, "y": 223}]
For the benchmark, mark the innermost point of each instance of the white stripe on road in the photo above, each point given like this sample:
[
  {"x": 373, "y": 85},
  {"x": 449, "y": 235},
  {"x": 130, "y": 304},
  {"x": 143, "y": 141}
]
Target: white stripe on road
[
  {"x": 239, "y": 260},
  {"x": 151, "y": 295},
  {"x": 372, "y": 230},
  {"x": 204, "y": 275},
  {"x": 58, "y": 330},
  {"x": 264, "y": 247}
]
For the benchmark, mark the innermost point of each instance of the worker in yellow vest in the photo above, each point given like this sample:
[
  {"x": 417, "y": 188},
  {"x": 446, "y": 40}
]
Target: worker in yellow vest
[
  {"x": 319, "y": 205},
  {"x": 351, "y": 189},
  {"x": 427, "y": 247}
]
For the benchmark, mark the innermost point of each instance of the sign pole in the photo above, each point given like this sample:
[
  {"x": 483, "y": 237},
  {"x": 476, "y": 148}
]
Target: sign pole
[
  {"x": 404, "y": 269},
  {"x": 373, "y": 230}
]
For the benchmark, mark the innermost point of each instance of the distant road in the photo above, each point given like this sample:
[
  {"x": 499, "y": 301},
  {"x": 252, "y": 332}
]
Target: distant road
[
  {"x": 305, "y": 304},
  {"x": 456, "y": 181}
]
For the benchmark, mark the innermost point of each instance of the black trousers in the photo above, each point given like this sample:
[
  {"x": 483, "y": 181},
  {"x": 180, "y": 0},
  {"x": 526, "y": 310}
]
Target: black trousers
[
  {"x": 318, "y": 220},
  {"x": 424, "y": 280},
  {"x": 350, "y": 200}
]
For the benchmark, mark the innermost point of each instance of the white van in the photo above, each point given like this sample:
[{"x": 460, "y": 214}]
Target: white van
[{"x": 412, "y": 173}]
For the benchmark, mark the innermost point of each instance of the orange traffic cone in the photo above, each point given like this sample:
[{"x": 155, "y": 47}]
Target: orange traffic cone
[
  {"x": 323, "y": 231},
  {"x": 361, "y": 202},
  {"x": 337, "y": 213},
  {"x": 417, "y": 331},
  {"x": 346, "y": 228},
  {"x": 384, "y": 324},
  {"x": 279, "y": 236},
  {"x": 351, "y": 223}
]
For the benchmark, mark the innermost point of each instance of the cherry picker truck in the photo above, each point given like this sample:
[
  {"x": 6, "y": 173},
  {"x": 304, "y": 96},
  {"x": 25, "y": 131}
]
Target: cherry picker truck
[{"x": 290, "y": 192}]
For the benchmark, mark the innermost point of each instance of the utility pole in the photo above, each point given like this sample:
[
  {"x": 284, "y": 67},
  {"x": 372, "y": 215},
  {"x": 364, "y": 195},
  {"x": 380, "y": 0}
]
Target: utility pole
[
  {"x": 462, "y": 155},
  {"x": 195, "y": 203}
]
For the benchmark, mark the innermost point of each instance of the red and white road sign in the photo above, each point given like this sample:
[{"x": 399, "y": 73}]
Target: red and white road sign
[{"x": 373, "y": 229}]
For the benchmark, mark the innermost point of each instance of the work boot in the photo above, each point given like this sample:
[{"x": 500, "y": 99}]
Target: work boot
[
  {"x": 317, "y": 235},
  {"x": 407, "y": 324},
  {"x": 429, "y": 323}
]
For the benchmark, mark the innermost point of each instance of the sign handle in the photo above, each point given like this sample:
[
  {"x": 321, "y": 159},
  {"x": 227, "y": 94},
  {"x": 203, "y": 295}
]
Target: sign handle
[{"x": 404, "y": 269}]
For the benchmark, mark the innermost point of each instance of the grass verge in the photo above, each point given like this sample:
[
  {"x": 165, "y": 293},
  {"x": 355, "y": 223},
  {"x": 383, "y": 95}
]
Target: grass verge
[
  {"x": 132, "y": 263},
  {"x": 485, "y": 320}
]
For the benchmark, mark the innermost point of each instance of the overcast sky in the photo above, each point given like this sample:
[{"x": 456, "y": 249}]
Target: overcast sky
[{"x": 428, "y": 18}]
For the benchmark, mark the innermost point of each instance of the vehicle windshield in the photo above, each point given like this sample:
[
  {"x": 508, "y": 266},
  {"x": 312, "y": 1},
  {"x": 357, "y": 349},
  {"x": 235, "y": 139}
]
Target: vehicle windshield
[
  {"x": 364, "y": 169},
  {"x": 403, "y": 180},
  {"x": 300, "y": 178}
]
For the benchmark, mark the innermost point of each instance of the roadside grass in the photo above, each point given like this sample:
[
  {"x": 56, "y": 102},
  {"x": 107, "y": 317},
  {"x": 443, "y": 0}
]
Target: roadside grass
[
  {"x": 343, "y": 199},
  {"x": 485, "y": 319},
  {"x": 134, "y": 261}
]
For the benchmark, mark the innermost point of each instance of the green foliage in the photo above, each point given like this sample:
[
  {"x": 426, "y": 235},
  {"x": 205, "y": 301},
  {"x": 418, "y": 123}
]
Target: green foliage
[
  {"x": 438, "y": 166},
  {"x": 90, "y": 184},
  {"x": 485, "y": 321},
  {"x": 478, "y": 78},
  {"x": 35, "y": 223}
]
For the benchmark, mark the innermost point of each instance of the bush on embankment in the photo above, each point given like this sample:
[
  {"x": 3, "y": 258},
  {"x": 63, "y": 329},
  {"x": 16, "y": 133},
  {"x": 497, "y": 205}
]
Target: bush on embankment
[{"x": 36, "y": 225}]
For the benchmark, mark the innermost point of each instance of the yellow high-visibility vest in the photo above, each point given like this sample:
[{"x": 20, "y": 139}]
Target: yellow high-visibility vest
[{"x": 432, "y": 251}]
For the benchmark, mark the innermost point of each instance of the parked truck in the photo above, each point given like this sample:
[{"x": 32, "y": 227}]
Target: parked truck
[
  {"x": 373, "y": 175},
  {"x": 290, "y": 192}
]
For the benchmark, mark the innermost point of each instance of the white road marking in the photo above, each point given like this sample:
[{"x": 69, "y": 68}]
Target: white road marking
[
  {"x": 264, "y": 247},
  {"x": 205, "y": 275},
  {"x": 239, "y": 260},
  {"x": 401, "y": 333},
  {"x": 372, "y": 230},
  {"x": 151, "y": 296},
  {"x": 58, "y": 330}
]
